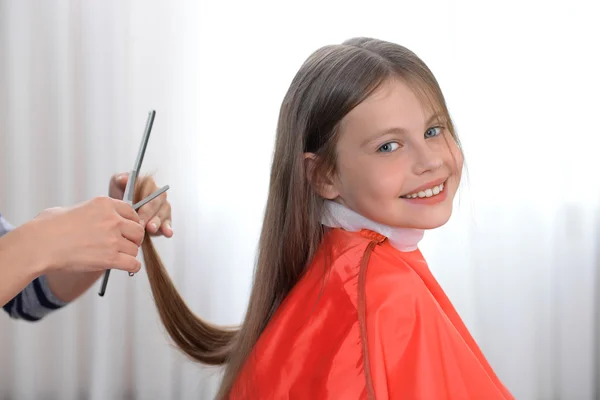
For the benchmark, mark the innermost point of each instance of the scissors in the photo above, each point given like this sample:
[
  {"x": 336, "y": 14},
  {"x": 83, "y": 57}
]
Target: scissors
[{"x": 130, "y": 187}]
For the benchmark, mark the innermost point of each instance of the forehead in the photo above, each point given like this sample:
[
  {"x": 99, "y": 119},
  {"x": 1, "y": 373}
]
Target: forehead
[{"x": 392, "y": 105}]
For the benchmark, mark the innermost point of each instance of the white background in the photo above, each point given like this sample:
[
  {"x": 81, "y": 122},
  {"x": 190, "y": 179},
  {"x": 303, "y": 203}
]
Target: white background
[{"x": 519, "y": 259}]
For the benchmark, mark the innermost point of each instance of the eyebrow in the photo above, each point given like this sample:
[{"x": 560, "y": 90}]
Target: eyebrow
[{"x": 399, "y": 130}]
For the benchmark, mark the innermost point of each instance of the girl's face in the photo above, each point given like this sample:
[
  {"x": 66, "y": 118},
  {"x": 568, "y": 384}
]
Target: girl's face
[{"x": 396, "y": 163}]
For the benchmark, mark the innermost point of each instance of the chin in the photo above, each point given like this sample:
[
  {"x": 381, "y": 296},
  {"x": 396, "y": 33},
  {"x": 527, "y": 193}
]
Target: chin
[
  {"x": 431, "y": 223},
  {"x": 427, "y": 219}
]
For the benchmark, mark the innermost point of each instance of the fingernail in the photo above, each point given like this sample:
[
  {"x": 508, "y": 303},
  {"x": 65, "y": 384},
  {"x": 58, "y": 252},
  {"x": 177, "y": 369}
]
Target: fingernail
[
  {"x": 143, "y": 223},
  {"x": 153, "y": 225}
]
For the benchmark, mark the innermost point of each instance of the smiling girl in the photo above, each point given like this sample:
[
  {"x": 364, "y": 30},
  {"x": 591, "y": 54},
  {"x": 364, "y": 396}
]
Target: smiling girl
[{"x": 343, "y": 304}]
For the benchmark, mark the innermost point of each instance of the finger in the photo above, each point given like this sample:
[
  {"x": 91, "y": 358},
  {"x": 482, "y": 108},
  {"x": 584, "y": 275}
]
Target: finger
[
  {"x": 150, "y": 197},
  {"x": 128, "y": 247},
  {"x": 117, "y": 185},
  {"x": 164, "y": 214},
  {"x": 126, "y": 211},
  {"x": 150, "y": 210},
  {"x": 133, "y": 232},
  {"x": 126, "y": 262},
  {"x": 153, "y": 225},
  {"x": 166, "y": 229}
]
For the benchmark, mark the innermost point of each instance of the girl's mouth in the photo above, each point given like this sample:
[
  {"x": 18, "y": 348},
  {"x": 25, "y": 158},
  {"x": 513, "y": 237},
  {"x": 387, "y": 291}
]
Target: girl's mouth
[{"x": 430, "y": 192}]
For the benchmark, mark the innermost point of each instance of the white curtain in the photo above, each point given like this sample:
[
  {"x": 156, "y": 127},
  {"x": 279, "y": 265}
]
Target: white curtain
[{"x": 519, "y": 258}]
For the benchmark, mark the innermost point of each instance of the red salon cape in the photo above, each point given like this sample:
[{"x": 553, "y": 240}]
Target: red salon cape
[{"x": 417, "y": 346}]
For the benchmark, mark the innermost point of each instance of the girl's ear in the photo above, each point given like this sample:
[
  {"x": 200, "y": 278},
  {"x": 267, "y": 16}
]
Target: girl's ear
[{"x": 322, "y": 183}]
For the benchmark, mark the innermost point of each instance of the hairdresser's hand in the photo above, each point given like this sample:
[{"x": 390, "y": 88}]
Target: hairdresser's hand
[
  {"x": 156, "y": 215},
  {"x": 96, "y": 235}
]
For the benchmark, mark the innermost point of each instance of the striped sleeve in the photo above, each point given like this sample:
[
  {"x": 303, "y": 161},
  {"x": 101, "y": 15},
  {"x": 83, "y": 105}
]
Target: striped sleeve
[{"x": 36, "y": 300}]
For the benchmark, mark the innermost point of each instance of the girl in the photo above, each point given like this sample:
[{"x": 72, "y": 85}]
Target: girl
[{"x": 343, "y": 304}]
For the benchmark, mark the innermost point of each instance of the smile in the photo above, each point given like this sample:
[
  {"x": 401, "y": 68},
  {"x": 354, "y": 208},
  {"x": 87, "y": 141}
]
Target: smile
[{"x": 430, "y": 192}]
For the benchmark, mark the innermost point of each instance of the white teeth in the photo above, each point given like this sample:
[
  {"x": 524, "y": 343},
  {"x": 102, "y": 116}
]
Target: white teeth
[{"x": 426, "y": 193}]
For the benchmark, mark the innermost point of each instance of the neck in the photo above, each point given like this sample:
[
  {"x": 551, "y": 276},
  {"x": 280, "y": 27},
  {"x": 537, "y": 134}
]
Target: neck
[{"x": 339, "y": 216}]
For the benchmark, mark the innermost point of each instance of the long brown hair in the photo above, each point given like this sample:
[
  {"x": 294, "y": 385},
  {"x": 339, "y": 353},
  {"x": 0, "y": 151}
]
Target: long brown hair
[{"x": 331, "y": 82}]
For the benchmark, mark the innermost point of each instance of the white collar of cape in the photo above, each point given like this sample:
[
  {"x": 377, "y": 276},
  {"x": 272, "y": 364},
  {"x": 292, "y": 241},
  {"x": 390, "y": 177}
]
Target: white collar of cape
[{"x": 338, "y": 216}]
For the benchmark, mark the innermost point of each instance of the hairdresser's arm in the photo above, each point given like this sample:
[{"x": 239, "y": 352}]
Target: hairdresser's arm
[
  {"x": 67, "y": 286},
  {"x": 21, "y": 261},
  {"x": 155, "y": 217},
  {"x": 92, "y": 236}
]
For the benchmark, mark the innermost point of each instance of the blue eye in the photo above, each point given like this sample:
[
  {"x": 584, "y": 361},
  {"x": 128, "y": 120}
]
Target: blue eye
[
  {"x": 388, "y": 147},
  {"x": 433, "y": 132}
]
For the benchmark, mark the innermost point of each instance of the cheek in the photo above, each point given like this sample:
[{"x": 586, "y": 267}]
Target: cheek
[
  {"x": 358, "y": 179},
  {"x": 453, "y": 157},
  {"x": 387, "y": 181},
  {"x": 351, "y": 177},
  {"x": 457, "y": 159},
  {"x": 369, "y": 178}
]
